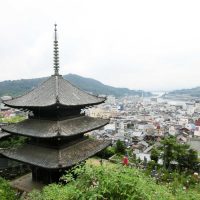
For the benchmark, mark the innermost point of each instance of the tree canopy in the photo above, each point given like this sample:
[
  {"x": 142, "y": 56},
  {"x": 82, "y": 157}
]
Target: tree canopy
[{"x": 171, "y": 152}]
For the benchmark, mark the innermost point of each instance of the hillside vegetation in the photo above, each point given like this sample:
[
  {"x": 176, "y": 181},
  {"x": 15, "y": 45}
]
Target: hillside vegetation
[
  {"x": 19, "y": 87},
  {"x": 193, "y": 92},
  {"x": 112, "y": 181}
]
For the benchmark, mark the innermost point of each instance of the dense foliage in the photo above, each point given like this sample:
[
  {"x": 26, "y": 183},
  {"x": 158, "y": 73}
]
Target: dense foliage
[
  {"x": 111, "y": 182},
  {"x": 19, "y": 87},
  {"x": 106, "y": 153},
  {"x": 13, "y": 142},
  {"x": 120, "y": 147},
  {"x": 155, "y": 154},
  {"x": 6, "y": 193},
  {"x": 176, "y": 155}
]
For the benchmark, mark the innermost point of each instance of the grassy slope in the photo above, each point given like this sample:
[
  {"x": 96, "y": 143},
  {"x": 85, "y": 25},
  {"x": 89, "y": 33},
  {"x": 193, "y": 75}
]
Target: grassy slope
[{"x": 112, "y": 181}]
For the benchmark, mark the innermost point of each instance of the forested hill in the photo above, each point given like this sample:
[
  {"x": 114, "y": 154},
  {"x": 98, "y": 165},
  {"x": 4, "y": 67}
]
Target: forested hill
[
  {"x": 19, "y": 87},
  {"x": 193, "y": 92}
]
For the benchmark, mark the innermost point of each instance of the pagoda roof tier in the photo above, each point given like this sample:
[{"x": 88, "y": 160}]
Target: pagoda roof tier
[
  {"x": 3, "y": 134},
  {"x": 48, "y": 128},
  {"x": 50, "y": 158},
  {"x": 55, "y": 91}
]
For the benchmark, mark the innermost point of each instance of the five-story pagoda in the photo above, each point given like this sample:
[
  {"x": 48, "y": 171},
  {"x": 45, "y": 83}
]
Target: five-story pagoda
[{"x": 55, "y": 127}]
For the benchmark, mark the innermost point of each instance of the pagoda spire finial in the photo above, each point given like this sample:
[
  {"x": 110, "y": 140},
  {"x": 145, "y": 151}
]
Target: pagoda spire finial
[{"x": 56, "y": 57}]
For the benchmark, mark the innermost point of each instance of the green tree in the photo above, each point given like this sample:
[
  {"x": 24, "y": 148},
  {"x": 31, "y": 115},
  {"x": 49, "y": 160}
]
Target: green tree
[
  {"x": 107, "y": 153},
  {"x": 192, "y": 158},
  {"x": 168, "y": 153},
  {"x": 181, "y": 151},
  {"x": 155, "y": 153},
  {"x": 171, "y": 150},
  {"x": 120, "y": 147}
]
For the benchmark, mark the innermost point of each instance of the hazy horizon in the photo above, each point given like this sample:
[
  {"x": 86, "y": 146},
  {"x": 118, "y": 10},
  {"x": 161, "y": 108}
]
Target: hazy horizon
[{"x": 148, "y": 45}]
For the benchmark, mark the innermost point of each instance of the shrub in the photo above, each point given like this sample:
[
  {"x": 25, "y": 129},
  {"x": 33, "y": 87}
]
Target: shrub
[
  {"x": 107, "y": 153},
  {"x": 111, "y": 182},
  {"x": 6, "y": 192}
]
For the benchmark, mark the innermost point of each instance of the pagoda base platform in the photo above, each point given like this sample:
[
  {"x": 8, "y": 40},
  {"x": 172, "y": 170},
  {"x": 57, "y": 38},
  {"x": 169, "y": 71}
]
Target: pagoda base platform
[
  {"x": 47, "y": 176},
  {"x": 26, "y": 184}
]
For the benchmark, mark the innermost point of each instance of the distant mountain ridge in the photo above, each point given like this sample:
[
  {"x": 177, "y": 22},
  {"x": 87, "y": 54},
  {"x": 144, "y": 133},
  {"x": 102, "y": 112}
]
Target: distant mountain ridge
[
  {"x": 19, "y": 87},
  {"x": 193, "y": 92}
]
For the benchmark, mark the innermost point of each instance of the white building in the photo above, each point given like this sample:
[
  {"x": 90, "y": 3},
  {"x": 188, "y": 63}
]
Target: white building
[{"x": 111, "y": 100}]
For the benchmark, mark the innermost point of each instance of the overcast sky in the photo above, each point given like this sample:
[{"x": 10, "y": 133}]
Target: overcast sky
[{"x": 139, "y": 44}]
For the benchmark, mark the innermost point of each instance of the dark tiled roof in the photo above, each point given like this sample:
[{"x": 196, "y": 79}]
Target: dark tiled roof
[
  {"x": 55, "y": 158},
  {"x": 55, "y": 91},
  {"x": 47, "y": 128},
  {"x": 3, "y": 134}
]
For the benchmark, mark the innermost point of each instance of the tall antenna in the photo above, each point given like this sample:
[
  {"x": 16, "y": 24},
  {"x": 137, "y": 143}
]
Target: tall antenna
[{"x": 56, "y": 57}]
